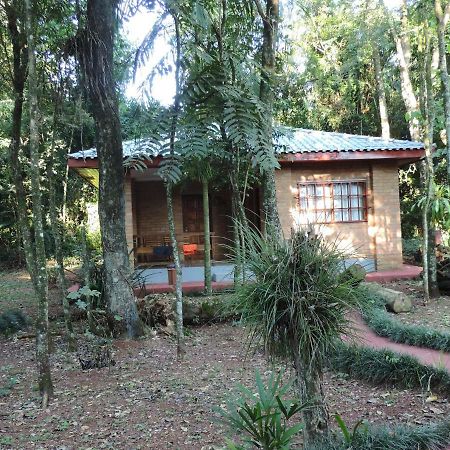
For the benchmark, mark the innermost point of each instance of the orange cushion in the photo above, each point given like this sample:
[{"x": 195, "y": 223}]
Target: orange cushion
[{"x": 189, "y": 249}]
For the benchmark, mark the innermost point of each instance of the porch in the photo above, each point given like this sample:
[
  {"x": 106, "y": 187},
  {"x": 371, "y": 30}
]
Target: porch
[{"x": 147, "y": 228}]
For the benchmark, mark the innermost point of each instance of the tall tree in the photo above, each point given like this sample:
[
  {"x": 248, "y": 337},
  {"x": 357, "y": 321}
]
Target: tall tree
[
  {"x": 442, "y": 16},
  {"x": 169, "y": 187},
  {"x": 403, "y": 46},
  {"x": 97, "y": 63},
  {"x": 40, "y": 260},
  {"x": 270, "y": 18}
]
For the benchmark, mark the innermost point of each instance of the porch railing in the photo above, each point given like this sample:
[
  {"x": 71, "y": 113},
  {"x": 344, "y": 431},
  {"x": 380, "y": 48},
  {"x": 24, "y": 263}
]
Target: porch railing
[{"x": 157, "y": 248}]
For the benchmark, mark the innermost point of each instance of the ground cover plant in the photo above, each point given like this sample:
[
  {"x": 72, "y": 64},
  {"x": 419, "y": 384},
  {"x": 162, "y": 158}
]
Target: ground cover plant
[
  {"x": 384, "y": 324},
  {"x": 387, "y": 367}
]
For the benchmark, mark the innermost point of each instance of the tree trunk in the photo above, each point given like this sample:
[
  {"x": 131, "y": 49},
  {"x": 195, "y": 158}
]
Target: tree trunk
[
  {"x": 309, "y": 383},
  {"x": 97, "y": 64},
  {"x": 270, "y": 20},
  {"x": 179, "y": 280},
  {"x": 41, "y": 282},
  {"x": 442, "y": 19},
  {"x": 20, "y": 62},
  {"x": 56, "y": 231},
  {"x": 384, "y": 118},
  {"x": 86, "y": 269},
  {"x": 404, "y": 57},
  {"x": 207, "y": 238},
  {"x": 181, "y": 350},
  {"x": 429, "y": 252},
  {"x": 432, "y": 263},
  {"x": 426, "y": 234}
]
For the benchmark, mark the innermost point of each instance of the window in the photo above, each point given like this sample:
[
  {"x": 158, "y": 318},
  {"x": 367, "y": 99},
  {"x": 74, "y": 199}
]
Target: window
[{"x": 333, "y": 201}]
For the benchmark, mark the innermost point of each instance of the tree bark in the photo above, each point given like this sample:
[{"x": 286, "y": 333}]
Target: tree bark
[
  {"x": 207, "y": 238},
  {"x": 404, "y": 57},
  {"x": 56, "y": 231},
  {"x": 309, "y": 383},
  {"x": 429, "y": 253},
  {"x": 41, "y": 281},
  {"x": 270, "y": 18},
  {"x": 382, "y": 104},
  {"x": 181, "y": 350},
  {"x": 442, "y": 19},
  {"x": 20, "y": 63},
  {"x": 97, "y": 64}
]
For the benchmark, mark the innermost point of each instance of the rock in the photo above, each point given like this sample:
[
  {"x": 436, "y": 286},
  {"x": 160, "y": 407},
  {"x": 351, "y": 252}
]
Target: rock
[
  {"x": 354, "y": 274},
  {"x": 395, "y": 301}
]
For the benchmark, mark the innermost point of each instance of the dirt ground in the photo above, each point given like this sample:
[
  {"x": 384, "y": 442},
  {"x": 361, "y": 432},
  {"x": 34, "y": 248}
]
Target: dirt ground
[
  {"x": 148, "y": 400},
  {"x": 435, "y": 314}
]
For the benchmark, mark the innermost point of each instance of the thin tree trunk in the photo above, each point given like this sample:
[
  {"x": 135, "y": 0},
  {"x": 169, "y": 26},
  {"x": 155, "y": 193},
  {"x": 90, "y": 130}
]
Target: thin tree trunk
[
  {"x": 382, "y": 104},
  {"x": 309, "y": 383},
  {"x": 97, "y": 64},
  {"x": 442, "y": 19},
  {"x": 207, "y": 238},
  {"x": 181, "y": 350},
  {"x": 404, "y": 57},
  {"x": 56, "y": 231},
  {"x": 426, "y": 234},
  {"x": 238, "y": 261},
  {"x": 429, "y": 253},
  {"x": 86, "y": 269},
  {"x": 41, "y": 283},
  {"x": 270, "y": 18}
]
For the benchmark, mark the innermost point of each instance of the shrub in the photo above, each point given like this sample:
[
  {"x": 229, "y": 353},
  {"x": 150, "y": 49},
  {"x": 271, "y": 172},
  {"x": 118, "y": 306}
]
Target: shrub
[
  {"x": 402, "y": 437},
  {"x": 12, "y": 321},
  {"x": 263, "y": 416},
  {"x": 380, "y": 321},
  {"x": 297, "y": 306},
  {"x": 384, "y": 366}
]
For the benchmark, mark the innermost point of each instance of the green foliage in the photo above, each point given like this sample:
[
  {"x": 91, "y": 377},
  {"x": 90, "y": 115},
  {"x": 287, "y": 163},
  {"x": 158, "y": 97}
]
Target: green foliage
[
  {"x": 384, "y": 325},
  {"x": 439, "y": 205},
  {"x": 12, "y": 320},
  {"x": 411, "y": 248},
  {"x": 387, "y": 367},
  {"x": 297, "y": 298},
  {"x": 263, "y": 416},
  {"x": 7, "y": 388},
  {"x": 351, "y": 437},
  {"x": 401, "y": 437}
]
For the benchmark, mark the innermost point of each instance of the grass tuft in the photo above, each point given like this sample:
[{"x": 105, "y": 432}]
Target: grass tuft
[
  {"x": 381, "y": 322},
  {"x": 402, "y": 437},
  {"x": 387, "y": 367}
]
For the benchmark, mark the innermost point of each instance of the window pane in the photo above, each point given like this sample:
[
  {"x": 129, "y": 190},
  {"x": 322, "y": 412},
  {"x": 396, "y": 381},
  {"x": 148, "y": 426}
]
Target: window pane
[
  {"x": 354, "y": 202},
  {"x": 356, "y": 214},
  {"x": 345, "y": 215},
  {"x": 338, "y": 215}
]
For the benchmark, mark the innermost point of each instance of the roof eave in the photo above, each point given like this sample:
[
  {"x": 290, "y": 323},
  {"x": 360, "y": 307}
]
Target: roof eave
[{"x": 411, "y": 155}]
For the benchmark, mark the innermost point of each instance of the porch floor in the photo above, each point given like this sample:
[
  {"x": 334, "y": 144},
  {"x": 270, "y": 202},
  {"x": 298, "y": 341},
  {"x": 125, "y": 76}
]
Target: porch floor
[
  {"x": 406, "y": 272},
  {"x": 221, "y": 272},
  {"x": 156, "y": 279}
]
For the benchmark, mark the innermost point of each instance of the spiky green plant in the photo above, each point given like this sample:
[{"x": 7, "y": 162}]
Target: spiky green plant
[{"x": 297, "y": 305}]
